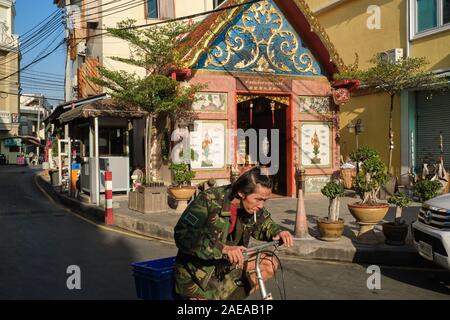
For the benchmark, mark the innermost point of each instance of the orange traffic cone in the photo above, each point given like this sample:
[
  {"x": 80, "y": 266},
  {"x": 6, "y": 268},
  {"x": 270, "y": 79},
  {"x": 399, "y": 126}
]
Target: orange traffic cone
[{"x": 301, "y": 224}]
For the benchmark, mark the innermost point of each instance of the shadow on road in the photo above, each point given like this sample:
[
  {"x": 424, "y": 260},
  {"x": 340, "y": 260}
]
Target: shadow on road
[{"x": 39, "y": 241}]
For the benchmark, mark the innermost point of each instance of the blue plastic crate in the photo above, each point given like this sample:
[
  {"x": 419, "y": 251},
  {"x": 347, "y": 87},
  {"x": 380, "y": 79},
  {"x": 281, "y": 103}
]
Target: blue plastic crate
[{"x": 154, "y": 279}]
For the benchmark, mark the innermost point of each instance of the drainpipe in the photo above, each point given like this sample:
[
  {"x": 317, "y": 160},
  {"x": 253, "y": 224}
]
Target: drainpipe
[{"x": 408, "y": 23}]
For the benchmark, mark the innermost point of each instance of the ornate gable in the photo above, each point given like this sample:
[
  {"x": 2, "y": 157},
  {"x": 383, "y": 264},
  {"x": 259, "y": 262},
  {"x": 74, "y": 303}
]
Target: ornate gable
[{"x": 259, "y": 39}]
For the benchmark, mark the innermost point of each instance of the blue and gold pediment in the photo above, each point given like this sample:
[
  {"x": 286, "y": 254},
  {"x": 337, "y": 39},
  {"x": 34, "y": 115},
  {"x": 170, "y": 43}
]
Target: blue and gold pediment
[{"x": 259, "y": 39}]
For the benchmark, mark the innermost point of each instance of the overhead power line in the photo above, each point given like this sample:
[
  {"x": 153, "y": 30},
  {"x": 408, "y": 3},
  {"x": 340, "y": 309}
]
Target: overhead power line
[
  {"x": 191, "y": 16},
  {"x": 120, "y": 7},
  {"x": 28, "y": 95},
  {"x": 35, "y": 60}
]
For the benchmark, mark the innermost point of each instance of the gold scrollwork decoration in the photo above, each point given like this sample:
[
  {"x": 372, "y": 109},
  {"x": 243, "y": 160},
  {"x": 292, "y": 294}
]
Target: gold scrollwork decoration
[
  {"x": 243, "y": 38},
  {"x": 309, "y": 62},
  {"x": 280, "y": 99}
]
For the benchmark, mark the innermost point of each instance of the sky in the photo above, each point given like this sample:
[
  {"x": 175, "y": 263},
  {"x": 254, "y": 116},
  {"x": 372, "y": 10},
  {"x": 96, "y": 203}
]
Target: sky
[{"x": 46, "y": 76}]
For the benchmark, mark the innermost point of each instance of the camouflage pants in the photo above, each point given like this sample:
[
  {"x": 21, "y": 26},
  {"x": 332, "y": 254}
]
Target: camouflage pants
[{"x": 234, "y": 285}]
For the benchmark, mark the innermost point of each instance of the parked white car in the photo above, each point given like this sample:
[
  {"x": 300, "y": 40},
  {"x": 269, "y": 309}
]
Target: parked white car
[{"x": 431, "y": 231}]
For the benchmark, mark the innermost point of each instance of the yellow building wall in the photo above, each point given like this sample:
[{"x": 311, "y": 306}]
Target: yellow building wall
[
  {"x": 374, "y": 111},
  {"x": 316, "y": 4},
  {"x": 436, "y": 48},
  {"x": 346, "y": 25}
]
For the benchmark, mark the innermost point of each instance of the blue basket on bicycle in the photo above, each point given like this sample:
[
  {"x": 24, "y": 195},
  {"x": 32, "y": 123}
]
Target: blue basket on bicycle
[{"x": 154, "y": 279}]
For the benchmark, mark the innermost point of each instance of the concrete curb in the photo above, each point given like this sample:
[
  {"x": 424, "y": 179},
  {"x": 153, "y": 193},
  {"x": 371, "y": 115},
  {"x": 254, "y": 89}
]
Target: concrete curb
[
  {"x": 87, "y": 211},
  {"x": 145, "y": 228},
  {"x": 343, "y": 250},
  {"x": 361, "y": 254},
  {"x": 97, "y": 214}
]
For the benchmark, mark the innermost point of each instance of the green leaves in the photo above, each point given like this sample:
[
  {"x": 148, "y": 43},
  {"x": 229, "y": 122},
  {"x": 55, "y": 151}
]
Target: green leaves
[
  {"x": 363, "y": 153},
  {"x": 426, "y": 189},
  {"x": 332, "y": 190},
  {"x": 400, "y": 200},
  {"x": 181, "y": 173},
  {"x": 371, "y": 176},
  {"x": 156, "y": 50},
  {"x": 393, "y": 77}
]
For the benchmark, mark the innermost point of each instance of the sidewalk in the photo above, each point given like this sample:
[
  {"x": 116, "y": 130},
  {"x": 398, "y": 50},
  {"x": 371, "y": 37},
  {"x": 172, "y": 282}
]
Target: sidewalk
[{"x": 283, "y": 210}]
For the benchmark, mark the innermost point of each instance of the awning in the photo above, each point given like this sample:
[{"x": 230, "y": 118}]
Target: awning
[
  {"x": 60, "y": 109},
  {"x": 103, "y": 108}
]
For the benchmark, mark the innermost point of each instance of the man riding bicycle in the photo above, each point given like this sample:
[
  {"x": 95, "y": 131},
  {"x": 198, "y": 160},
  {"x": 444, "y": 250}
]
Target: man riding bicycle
[{"x": 212, "y": 234}]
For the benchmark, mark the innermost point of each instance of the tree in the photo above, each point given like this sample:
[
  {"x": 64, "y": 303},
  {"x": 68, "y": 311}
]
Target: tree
[
  {"x": 156, "y": 50},
  {"x": 394, "y": 77}
]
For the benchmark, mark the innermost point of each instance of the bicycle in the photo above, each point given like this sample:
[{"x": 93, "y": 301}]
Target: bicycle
[{"x": 258, "y": 250}]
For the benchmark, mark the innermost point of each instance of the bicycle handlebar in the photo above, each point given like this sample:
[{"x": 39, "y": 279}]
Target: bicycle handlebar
[{"x": 260, "y": 247}]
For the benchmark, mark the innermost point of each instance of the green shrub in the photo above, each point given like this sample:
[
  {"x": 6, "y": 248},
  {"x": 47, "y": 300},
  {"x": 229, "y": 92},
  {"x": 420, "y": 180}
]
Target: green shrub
[
  {"x": 362, "y": 154},
  {"x": 426, "y": 189},
  {"x": 333, "y": 190},
  {"x": 371, "y": 176},
  {"x": 182, "y": 174},
  {"x": 400, "y": 200}
]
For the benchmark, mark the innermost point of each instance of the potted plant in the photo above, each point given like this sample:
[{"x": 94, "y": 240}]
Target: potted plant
[
  {"x": 396, "y": 232},
  {"x": 371, "y": 176},
  {"x": 182, "y": 191},
  {"x": 426, "y": 189},
  {"x": 331, "y": 227}
]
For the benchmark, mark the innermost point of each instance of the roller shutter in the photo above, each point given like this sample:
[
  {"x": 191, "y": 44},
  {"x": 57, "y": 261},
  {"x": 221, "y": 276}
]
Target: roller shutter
[{"x": 433, "y": 116}]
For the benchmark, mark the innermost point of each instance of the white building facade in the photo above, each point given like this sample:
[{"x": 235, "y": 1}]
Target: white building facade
[{"x": 9, "y": 83}]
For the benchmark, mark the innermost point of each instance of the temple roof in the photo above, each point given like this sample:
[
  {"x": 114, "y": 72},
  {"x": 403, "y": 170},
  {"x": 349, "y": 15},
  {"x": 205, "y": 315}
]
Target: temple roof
[{"x": 296, "y": 12}]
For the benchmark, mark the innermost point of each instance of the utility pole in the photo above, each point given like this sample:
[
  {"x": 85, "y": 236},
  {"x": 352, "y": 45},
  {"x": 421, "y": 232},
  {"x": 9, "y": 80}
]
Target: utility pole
[
  {"x": 38, "y": 126},
  {"x": 68, "y": 77}
]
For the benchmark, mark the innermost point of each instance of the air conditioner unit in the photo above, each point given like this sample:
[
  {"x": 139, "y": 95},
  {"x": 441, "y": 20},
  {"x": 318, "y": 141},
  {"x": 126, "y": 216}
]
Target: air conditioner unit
[
  {"x": 392, "y": 55},
  {"x": 82, "y": 48}
]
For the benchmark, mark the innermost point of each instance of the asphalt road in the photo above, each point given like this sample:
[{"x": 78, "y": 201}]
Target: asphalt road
[{"x": 39, "y": 240}]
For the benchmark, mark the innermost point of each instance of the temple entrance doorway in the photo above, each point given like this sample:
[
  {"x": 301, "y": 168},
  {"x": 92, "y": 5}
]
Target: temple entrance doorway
[{"x": 264, "y": 113}]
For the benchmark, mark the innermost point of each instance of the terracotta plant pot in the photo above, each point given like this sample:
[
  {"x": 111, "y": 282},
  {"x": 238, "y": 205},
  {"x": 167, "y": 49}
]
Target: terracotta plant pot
[
  {"x": 395, "y": 233},
  {"x": 368, "y": 214},
  {"x": 330, "y": 230},
  {"x": 367, "y": 217},
  {"x": 182, "y": 193}
]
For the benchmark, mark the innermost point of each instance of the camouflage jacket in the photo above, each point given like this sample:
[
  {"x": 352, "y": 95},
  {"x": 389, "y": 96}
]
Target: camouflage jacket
[{"x": 202, "y": 232}]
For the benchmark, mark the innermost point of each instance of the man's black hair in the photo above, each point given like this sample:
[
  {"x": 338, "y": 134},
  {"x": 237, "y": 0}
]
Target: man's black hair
[{"x": 247, "y": 182}]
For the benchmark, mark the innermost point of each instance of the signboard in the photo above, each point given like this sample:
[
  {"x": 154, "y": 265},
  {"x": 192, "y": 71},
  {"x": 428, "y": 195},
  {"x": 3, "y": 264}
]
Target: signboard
[
  {"x": 5, "y": 117},
  {"x": 12, "y": 142},
  {"x": 264, "y": 84},
  {"x": 15, "y": 117}
]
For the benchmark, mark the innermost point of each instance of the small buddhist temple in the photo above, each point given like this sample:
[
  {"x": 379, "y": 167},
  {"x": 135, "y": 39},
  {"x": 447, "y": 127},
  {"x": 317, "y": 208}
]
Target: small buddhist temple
[{"x": 264, "y": 65}]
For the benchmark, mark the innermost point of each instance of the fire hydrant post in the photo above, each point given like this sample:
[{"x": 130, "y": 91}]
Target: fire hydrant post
[
  {"x": 301, "y": 224},
  {"x": 109, "y": 218}
]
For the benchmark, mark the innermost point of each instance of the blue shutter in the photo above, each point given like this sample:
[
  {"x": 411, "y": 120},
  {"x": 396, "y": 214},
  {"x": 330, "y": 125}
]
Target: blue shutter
[
  {"x": 152, "y": 9},
  {"x": 426, "y": 14}
]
